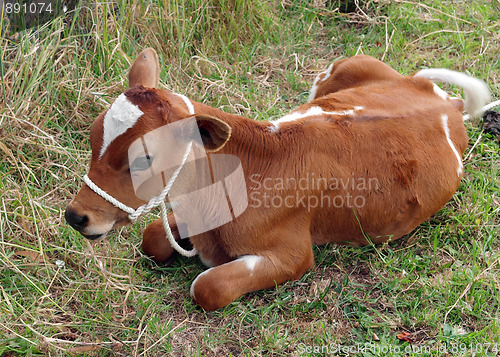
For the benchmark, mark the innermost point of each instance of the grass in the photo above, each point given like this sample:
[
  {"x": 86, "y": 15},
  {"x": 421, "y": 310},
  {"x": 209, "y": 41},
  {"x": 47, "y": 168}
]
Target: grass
[{"x": 61, "y": 295}]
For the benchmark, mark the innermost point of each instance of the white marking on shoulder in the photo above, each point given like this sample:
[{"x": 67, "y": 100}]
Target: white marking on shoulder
[
  {"x": 298, "y": 115},
  {"x": 328, "y": 73},
  {"x": 313, "y": 111},
  {"x": 444, "y": 121},
  {"x": 121, "y": 116},
  {"x": 191, "y": 290},
  {"x": 250, "y": 261},
  {"x": 314, "y": 88},
  {"x": 188, "y": 103}
]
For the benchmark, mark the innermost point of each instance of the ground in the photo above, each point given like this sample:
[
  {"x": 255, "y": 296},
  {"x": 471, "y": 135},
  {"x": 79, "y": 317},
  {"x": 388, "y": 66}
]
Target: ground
[{"x": 434, "y": 292}]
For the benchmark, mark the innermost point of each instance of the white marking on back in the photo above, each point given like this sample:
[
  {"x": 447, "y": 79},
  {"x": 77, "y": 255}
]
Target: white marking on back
[
  {"x": 477, "y": 93},
  {"x": 313, "y": 111},
  {"x": 444, "y": 121},
  {"x": 440, "y": 92},
  {"x": 188, "y": 103},
  {"x": 250, "y": 261},
  {"x": 121, "y": 116}
]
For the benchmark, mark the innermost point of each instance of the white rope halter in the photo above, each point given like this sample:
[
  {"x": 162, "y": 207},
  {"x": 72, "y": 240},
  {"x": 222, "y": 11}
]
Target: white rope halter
[{"x": 134, "y": 214}]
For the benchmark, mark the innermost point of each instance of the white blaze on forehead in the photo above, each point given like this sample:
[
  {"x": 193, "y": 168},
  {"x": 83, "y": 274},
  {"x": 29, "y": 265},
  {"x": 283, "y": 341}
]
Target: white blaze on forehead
[{"x": 120, "y": 117}]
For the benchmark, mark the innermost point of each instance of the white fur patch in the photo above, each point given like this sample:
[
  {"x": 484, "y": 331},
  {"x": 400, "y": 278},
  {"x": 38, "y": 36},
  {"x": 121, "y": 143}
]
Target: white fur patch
[
  {"x": 206, "y": 262},
  {"x": 440, "y": 92},
  {"x": 328, "y": 73},
  {"x": 188, "y": 103},
  {"x": 314, "y": 88},
  {"x": 444, "y": 121},
  {"x": 313, "y": 111},
  {"x": 477, "y": 93},
  {"x": 99, "y": 229},
  {"x": 121, "y": 116},
  {"x": 250, "y": 261},
  {"x": 191, "y": 290}
]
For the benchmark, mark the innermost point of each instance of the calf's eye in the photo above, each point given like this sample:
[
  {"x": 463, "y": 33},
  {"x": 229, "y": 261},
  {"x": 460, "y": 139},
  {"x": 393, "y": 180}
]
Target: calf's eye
[{"x": 141, "y": 163}]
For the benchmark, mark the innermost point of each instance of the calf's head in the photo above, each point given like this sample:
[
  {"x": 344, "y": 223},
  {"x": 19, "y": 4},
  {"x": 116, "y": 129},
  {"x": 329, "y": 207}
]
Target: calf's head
[{"x": 117, "y": 159}]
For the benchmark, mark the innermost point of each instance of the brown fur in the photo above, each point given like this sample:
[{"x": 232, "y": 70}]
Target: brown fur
[{"x": 397, "y": 140}]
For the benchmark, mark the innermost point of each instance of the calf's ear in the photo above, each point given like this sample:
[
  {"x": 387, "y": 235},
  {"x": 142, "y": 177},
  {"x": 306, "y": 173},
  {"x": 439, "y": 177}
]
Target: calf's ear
[
  {"x": 145, "y": 70},
  {"x": 214, "y": 132}
]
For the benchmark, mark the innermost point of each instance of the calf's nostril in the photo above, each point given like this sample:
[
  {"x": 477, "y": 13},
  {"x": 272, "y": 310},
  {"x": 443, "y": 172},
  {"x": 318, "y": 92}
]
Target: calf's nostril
[{"x": 75, "y": 220}]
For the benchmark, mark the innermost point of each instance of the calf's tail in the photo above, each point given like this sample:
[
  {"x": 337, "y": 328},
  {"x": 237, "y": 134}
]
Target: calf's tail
[{"x": 477, "y": 93}]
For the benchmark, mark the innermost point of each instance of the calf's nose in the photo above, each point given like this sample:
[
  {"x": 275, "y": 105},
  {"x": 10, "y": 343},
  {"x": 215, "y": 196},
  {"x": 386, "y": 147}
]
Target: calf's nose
[{"x": 78, "y": 222}]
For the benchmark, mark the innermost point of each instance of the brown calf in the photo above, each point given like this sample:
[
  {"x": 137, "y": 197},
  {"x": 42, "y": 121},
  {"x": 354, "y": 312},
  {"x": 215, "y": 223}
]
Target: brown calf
[{"x": 373, "y": 154}]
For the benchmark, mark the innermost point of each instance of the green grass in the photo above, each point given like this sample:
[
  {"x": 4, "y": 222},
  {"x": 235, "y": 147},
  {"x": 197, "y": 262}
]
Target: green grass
[{"x": 440, "y": 284}]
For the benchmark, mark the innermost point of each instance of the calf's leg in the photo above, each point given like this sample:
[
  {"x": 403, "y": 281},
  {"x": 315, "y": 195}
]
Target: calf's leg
[
  {"x": 155, "y": 242},
  {"x": 221, "y": 285}
]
